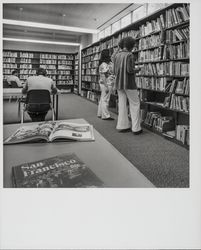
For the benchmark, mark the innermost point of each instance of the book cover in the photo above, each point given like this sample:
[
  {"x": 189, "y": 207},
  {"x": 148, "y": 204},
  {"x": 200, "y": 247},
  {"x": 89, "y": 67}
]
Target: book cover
[
  {"x": 51, "y": 131},
  {"x": 62, "y": 171}
]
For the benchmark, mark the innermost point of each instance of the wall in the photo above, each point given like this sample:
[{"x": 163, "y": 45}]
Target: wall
[
  {"x": 11, "y": 45},
  {"x": 85, "y": 40}
]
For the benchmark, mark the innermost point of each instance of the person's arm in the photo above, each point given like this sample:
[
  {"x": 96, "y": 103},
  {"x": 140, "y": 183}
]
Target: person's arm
[
  {"x": 25, "y": 88},
  {"x": 19, "y": 83},
  {"x": 131, "y": 64},
  {"x": 54, "y": 88}
]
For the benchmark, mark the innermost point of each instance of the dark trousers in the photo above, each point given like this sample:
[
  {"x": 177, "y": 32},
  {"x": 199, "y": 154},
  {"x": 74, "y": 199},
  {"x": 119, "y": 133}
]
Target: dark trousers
[
  {"x": 37, "y": 117},
  {"x": 37, "y": 112}
]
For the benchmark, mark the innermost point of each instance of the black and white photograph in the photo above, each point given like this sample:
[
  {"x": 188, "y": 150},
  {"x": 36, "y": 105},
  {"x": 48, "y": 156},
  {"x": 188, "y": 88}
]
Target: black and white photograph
[
  {"x": 97, "y": 100},
  {"x": 124, "y": 70}
]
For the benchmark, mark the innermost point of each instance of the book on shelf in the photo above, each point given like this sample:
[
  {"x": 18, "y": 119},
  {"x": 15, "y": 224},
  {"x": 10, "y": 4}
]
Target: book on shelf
[
  {"x": 51, "y": 131},
  {"x": 61, "y": 171},
  {"x": 170, "y": 134},
  {"x": 182, "y": 133}
]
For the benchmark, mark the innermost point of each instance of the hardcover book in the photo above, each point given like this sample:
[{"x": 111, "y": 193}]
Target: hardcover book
[
  {"x": 65, "y": 171},
  {"x": 51, "y": 131}
]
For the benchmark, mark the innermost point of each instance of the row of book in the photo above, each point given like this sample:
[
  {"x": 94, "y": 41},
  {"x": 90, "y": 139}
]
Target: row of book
[
  {"x": 159, "y": 122},
  {"x": 149, "y": 42},
  {"x": 164, "y": 84},
  {"x": 175, "y": 35},
  {"x": 176, "y": 86},
  {"x": 89, "y": 78},
  {"x": 28, "y": 71},
  {"x": 150, "y": 55},
  {"x": 64, "y": 77},
  {"x": 178, "y": 51},
  {"x": 168, "y": 52},
  {"x": 66, "y": 82},
  {"x": 113, "y": 42},
  {"x": 91, "y": 85},
  {"x": 152, "y": 26},
  {"x": 166, "y": 125},
  {"x": 92, "y": 64},
  {"x": 25, "y": 60},
  {"x": 9, "y": 54},
  {"x": 9, "y": 60},
  {"x": 26, "y": 55},
  {"x": 182, "y": 133},
  {"x": 91, "y": 50},
  {"x": 25, "y": 66},
  {"x": 69, "y": 67},
  {"x": 65, "y": 62},
  {"x": 89, "y": 71},
  {"x": 166, "y": 68},
  {"x": 177, "y": 15},
  {"x": 8, "y": 65},
  {"x": 176, "y": 102},
  {"x": 48, "y": 61},
  {"x": 45, "y": 66}
]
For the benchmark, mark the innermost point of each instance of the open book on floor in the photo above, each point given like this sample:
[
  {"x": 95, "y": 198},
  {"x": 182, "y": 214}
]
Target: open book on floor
[
  {"x": 65, "y": 170},
  {"x": 51, "y": 131}
]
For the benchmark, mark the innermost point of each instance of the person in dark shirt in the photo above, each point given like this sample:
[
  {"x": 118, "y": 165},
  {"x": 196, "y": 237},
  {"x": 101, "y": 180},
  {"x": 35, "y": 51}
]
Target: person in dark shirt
[{"x": 124, "y": 70}]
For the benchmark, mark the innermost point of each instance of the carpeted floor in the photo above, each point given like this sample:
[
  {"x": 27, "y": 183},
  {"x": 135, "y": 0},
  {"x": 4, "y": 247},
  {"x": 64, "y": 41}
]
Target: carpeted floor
[{"x": 163, "y": 162}]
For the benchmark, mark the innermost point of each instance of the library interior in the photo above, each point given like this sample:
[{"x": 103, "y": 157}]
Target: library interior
[{"x": 105, "y": 85}]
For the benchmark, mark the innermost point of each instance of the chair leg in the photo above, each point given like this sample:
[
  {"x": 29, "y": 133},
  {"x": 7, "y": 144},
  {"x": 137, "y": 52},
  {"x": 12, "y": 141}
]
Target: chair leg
[
  {"x": 22, "y": 115},
  {"x": 53, "y": 118}
]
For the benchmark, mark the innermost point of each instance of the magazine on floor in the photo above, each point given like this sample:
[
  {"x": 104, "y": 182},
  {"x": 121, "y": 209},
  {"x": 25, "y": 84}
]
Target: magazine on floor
[
  {"x": 51, "y": 131},
  {"x": 65, "y": 170}
]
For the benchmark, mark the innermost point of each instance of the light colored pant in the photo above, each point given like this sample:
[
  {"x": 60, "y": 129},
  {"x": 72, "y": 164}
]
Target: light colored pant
[
  {"x": 134, "y": 106},
  {"x": 103, "y": 105}
]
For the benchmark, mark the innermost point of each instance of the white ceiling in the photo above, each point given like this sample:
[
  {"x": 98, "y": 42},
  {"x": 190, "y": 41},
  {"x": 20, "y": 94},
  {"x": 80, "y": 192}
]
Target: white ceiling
[{"x": 83, "y": 15}]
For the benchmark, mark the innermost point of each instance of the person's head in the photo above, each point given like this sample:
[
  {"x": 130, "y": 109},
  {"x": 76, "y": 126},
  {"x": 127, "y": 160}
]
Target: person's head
[
  {"x": 128, "y": 43},
  {"x": 105, "y": 56},
  {"x": 41, "y": 71},
  {"x": 121, "y": 43},
  {"x": 14, "y": 72}
]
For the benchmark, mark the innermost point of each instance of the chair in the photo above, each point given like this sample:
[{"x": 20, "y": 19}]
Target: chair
[{"x": 37, "y": 101}]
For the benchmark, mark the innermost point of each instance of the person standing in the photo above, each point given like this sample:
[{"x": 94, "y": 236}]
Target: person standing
[
  {"x": 14, "y": 78},
  {"x": 40, "y": 81},
  {"x": 106, "y": 84},
  {"x": 124, "y": 70}
]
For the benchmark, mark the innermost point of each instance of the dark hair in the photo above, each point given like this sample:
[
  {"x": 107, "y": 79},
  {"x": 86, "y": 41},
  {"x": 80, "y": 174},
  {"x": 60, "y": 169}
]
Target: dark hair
[
  {"x": 128, "y": 43},
  {"x": 105, "y": 56},
  {"x": 14, "y": 72},
  {"x": 41, "y": 71},
  {"x": 121, "y": 43}
]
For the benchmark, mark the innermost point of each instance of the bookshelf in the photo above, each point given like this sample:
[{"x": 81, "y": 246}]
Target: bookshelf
[
  {"x": 59, "y": 67},
  {"x": 162, "y": 49},
  {"x": 76, "y": 74}
]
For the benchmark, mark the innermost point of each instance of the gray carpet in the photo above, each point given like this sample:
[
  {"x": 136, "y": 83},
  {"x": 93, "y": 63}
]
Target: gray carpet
[{"x": 163, "y": 162}]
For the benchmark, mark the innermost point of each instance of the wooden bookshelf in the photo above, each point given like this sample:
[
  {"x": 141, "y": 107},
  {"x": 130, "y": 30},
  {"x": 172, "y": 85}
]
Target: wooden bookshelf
[
  {"x": 59, "y": 67},
  {"x": 163, "y": 49}
]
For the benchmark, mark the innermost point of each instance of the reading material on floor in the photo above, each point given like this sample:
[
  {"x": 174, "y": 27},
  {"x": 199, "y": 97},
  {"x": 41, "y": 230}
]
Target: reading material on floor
[
  {"x": 65, "y": 171},
  {"x": 50, "y": 131}
]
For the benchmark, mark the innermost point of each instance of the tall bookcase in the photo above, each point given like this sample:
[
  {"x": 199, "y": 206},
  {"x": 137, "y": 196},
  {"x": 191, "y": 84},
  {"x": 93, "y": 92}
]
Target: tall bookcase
[
  {"x": 162, "y": 52},
  {"x": 76, "y": 74},
  {"x": 60, "y": 67}
]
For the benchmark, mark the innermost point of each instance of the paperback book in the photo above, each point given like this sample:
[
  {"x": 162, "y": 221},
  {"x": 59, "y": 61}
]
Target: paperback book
[
  {"x": 51, "y": 131},
  {"x": 65, "y": 171}
]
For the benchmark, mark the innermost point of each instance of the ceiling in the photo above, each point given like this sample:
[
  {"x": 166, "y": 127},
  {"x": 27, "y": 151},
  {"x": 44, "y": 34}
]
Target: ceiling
[{"x": 83, "y": 15}]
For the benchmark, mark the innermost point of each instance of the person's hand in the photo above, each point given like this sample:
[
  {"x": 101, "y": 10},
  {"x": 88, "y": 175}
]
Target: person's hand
[{"x": 107, "y": 91}]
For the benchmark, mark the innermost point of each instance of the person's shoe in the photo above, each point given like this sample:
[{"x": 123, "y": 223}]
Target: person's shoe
[
  {"x": 124, "y": 130},
  {"x": 138, "y": 132},
  {"x": 109, "y": 118}
]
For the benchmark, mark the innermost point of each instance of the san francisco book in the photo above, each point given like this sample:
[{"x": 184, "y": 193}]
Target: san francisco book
[{"x": 61, "y": 171}]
